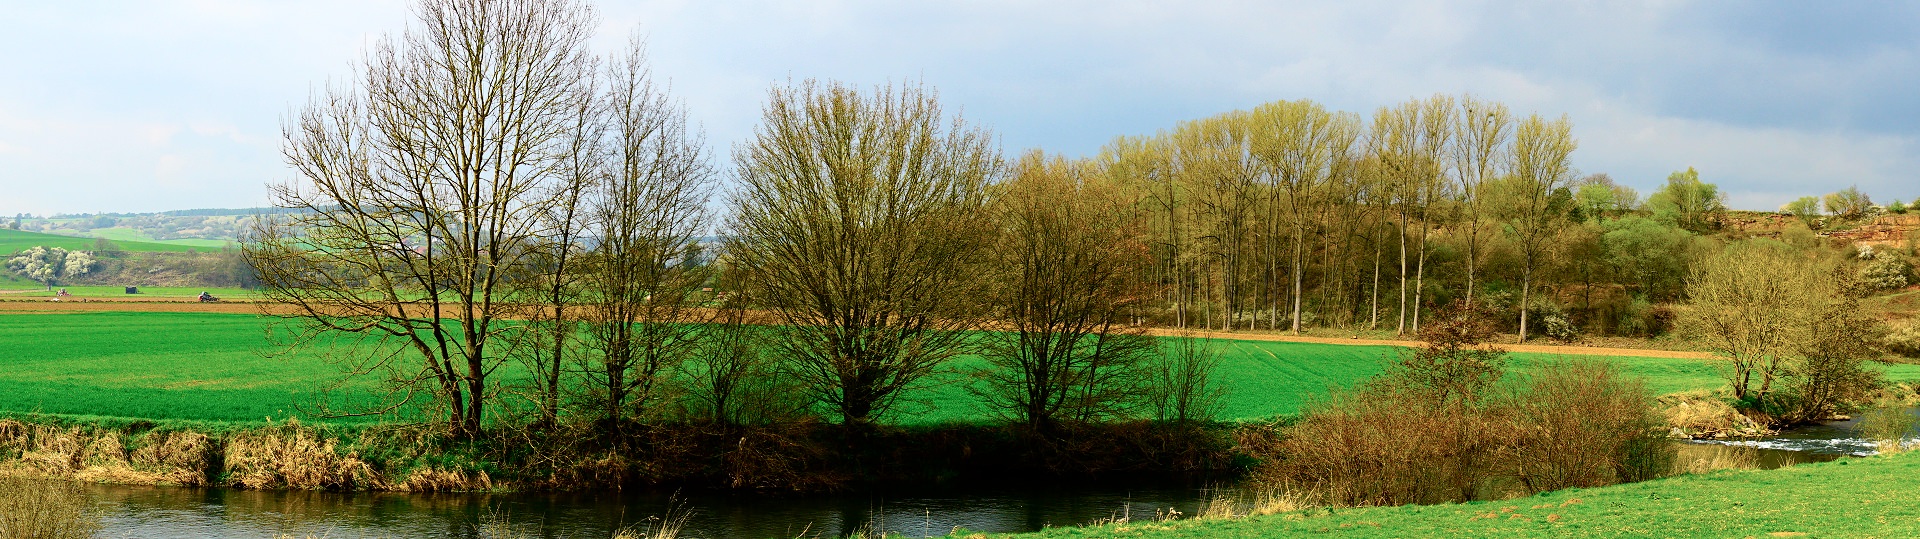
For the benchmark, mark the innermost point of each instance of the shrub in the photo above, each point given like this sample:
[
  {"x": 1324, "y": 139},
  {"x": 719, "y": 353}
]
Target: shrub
[
  {"x": 1557, "y": 327},
  {"x": 1903, "y": 337},
  {"x": 1886, "y": 273},
  {"x": 1890, "y": 425},
  {"x": 1581, "y": 424},
  {"x": 1574, "y": 424},
  {"x": 1375, "y": 447},
  {"x": 41, "y": 509}
]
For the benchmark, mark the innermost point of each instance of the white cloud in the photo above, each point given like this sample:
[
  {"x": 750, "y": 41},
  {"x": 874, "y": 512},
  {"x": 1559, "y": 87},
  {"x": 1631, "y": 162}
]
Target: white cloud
[{"x": 1769, "y": 101}]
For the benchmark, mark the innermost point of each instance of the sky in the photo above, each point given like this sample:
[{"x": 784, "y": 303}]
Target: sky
[{"x": 152, "y": 105}]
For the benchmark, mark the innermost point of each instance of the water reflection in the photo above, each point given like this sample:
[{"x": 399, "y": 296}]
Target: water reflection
[
  {"x": 189, "y": 512},
  {"x": 135, "y": 511}
]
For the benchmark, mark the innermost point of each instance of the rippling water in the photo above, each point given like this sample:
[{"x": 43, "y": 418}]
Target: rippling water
[{"x": 1838, "y": 438}]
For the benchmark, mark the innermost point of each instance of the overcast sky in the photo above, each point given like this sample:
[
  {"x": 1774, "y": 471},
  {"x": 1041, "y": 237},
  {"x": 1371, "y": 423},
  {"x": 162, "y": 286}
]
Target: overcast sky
[{"x": 155, "y": 105}]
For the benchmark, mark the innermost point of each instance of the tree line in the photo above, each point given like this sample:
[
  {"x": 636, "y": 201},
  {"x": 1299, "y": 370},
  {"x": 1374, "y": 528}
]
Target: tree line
[{"x": 487, "y": 191}]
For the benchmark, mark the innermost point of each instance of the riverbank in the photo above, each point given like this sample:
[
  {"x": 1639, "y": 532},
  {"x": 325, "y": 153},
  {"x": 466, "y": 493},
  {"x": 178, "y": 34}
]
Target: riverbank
[
  {"x": 807, "y": 457},
  {"x": 1863, "y": 497}
]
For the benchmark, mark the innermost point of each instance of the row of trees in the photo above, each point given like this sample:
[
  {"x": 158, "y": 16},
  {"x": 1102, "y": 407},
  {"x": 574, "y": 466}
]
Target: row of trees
[
  {"x": 488, "y": 191},
  {"x": 1289, "y": 215}
]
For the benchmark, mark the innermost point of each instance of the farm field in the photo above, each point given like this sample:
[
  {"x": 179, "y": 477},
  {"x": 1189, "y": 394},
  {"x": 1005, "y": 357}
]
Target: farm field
[
  {"x": 1863, "y": 497},
  {"x": 173, "y": 366},
  {"x": 125, "y": 234},
  {"x": 30, "y": 289},
  {"x": 12, "y": 241},
  {"x": 210, "y": 366}
]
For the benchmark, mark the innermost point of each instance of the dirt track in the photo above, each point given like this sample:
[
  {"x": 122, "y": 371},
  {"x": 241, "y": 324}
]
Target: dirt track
[
  {"x": 188, "y": 305},
  {"x": 1527, "y": 348}
]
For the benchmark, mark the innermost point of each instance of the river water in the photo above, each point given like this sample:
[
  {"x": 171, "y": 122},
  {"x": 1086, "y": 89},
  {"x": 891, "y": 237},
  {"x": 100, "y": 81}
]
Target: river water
[
  {"x": 133, "y": 511},
  {"x": 211, "y": 512}
]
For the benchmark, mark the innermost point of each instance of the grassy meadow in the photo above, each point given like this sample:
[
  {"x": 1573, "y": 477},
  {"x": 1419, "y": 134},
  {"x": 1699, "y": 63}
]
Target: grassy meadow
[
  {"x": 169, "y": 366},
  {"x": 134, "y": 235},
  {"x": 215, "y": 367},
  {"x": 1863, "y": 497}
]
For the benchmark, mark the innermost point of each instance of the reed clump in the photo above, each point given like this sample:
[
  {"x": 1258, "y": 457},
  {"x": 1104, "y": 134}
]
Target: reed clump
[
  {"x": 41, "y": 509},
  {"x": 290, "y": 456}
]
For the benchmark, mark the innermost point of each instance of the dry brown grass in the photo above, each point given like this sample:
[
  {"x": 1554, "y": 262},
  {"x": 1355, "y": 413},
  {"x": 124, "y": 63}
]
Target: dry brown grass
[
  {"x": 293, "y": 457},
  {"x": 1707, "y": 458},
  {"x": 42, "y": 509},
  {"x": 1703, "y": 414},
  {"x": 184, "y": 458}
]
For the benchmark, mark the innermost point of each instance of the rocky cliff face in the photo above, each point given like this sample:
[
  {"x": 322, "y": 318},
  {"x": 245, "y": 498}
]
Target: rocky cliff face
[{"x": 1886, "y": 230}]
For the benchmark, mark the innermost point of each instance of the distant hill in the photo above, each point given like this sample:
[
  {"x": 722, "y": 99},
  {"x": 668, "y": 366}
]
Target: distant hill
[{"x": 12, "y": 241}]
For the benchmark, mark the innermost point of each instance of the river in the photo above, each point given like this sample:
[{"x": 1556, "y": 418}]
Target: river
[{"x": 134, "y": 511}]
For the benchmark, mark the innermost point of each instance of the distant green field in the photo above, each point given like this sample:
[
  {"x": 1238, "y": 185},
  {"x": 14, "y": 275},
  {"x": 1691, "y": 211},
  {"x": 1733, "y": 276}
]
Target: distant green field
[
  {"x": 12, "y": 241},
  {"x": 124, "y": 234},
  {"x": 210, "y": 367}
]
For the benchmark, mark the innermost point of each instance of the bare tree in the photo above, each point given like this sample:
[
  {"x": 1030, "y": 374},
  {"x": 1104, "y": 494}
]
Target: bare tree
[
  {"x": 645, "y": 216},
  {"x": 1304, "y": 147},
  {"x": 859, "y": 218},
  {"x": 1482, "y": 130},
  {"x": 1541, "y": 165},
  {"x": 1070, "y": 255},
  {"x": 1751, "y": 304},
  {"x": 1183, "y": 389},
  {"x": 424, "y": 186}
]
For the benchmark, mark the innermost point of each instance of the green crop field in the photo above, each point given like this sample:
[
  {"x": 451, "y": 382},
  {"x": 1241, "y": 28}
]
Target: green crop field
[
  {"x": 203, "y": 366},
  {"x": 12, "y": 241},
  {"x": 151, "y": 365},
  {"x": 1864, "y": 497}
]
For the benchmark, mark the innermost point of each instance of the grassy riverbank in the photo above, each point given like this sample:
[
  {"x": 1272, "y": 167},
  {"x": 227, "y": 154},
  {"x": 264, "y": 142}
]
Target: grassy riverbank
[{"x": 1866, "y": 497}]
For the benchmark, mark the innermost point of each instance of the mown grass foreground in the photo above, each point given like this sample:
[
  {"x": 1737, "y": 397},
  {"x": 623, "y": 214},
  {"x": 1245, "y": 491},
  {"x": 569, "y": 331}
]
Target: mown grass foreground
[
  {"x": 1864, "y": 497},
  {"x": 214, "y": 367}
]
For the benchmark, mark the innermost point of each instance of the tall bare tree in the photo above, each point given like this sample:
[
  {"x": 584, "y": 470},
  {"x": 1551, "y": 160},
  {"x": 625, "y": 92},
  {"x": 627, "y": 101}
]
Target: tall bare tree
[
  {"x": 424, "y": 186},
  {"x": 645, "y": 218},
  {"x": 1482, "y": 130},
  {"x": 1304, "y": 147},
  {"x": 1071, "y": 256},
  {"x": 1541, "y": 164},
  {"x": 859, "y": 216}
]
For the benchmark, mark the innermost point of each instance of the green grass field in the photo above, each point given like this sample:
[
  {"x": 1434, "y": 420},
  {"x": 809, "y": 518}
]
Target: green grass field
[
  {"x": 182, "y": 366},
  {"x": 1863, "y": 497},
  {"x": 12, "y": 241},
  {"x": 194, "y": 366},
  {"x": 124, "y": 234}
]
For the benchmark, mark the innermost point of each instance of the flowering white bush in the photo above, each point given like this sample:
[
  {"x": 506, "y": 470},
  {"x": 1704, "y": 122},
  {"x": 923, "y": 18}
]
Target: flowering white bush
[{"x": 48, "y": 264}]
